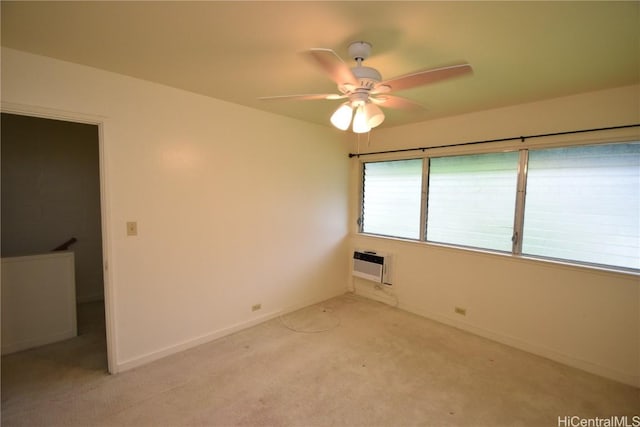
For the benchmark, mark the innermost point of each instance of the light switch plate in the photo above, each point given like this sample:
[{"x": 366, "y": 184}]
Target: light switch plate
[{"x": 132, "y": 228}]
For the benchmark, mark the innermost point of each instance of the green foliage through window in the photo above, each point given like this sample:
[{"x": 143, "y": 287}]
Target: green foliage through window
[{"x": 579, "y": 203}]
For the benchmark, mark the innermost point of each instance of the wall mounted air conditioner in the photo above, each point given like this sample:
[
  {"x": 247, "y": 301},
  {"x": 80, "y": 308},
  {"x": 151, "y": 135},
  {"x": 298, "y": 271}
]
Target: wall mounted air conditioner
[{"x": 374, "y": 266}]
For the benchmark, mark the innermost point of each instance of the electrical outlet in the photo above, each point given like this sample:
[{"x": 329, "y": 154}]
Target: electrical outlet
[
  {"x": 132, "y": 228},
  {"x": 460, "y": 310},
  {"x": 256, "y": 307}
]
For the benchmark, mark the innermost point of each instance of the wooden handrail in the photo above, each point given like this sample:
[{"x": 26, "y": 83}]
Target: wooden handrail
[{"x": 65, "y": 245}]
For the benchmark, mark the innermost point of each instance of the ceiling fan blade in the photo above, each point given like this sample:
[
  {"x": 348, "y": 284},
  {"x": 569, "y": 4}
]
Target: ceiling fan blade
[
  {"x": 312, "y": 96},
  {"x": 424, "y": 77},
  {"x": 333, "y": 65},
  {"x": 391, "y": 101}
]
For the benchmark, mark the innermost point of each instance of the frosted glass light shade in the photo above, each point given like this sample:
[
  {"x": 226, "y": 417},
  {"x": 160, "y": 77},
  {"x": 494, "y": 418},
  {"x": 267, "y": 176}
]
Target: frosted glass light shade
[
  {"x": 374, "y": 114},
  {"x": 342, "y": 117},
  {"x": 360, "y": 124}
]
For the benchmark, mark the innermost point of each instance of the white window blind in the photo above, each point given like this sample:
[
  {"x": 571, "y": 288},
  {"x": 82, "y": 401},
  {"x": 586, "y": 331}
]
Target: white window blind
[
  {"x": 392, "y": 198},
  {"x": 471, "y": 200},
  {"x": 583, "y": 204}
]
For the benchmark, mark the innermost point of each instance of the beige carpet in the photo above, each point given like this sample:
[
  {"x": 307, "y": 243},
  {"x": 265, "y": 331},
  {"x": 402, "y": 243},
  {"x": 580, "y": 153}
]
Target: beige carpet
[{"x": 365, "y": 364}]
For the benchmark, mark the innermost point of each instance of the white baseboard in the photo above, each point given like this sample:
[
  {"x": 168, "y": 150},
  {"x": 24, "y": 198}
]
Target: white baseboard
[
  {"x": 368, "y": 289},
  {"x": 603, "y": 371},
  {"x": 167, "y": 351},
  {"x": 150, "y": 357}
]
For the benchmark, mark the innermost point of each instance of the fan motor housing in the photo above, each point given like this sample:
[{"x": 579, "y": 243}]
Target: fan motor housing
[{"x": 367, "y": 76}]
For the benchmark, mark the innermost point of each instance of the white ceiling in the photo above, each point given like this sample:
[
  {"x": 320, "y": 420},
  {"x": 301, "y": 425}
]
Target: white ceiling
[{"x": 239, "y": 51}]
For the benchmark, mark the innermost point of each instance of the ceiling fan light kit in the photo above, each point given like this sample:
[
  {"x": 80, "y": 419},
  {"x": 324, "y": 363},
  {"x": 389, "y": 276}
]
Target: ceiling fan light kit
[
  {"x": 360, "y": 124},
  {"x": 367, "y": 114},
  {"x": 361, "y": 84},
  {"x": 374, "y": 114},
  {"x": 341, "y": 118}
]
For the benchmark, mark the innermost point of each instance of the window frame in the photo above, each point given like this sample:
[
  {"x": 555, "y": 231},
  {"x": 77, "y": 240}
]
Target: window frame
[
  {"x": 422, "y": 218},
  {"x": 519, "y": 208},
  {"x": 426, "y": 195}
]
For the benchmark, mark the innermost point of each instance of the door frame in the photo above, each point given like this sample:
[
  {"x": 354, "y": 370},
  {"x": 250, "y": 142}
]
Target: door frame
[{"x": 101, "y": 122}]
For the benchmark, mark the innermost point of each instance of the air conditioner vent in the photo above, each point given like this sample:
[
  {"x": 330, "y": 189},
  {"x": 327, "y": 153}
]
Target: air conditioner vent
[{"x": 371, "y": 265}]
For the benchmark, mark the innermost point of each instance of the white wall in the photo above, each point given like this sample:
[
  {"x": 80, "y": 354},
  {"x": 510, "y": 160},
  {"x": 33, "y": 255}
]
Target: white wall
[
  {"x": 38, "y": 300},
  {"x": 583, "y": 317},
  {"x": 234, "y": 206}
]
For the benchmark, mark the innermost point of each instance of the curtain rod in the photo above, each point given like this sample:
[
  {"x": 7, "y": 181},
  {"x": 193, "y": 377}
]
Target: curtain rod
[{"x": 514, "y": 138}]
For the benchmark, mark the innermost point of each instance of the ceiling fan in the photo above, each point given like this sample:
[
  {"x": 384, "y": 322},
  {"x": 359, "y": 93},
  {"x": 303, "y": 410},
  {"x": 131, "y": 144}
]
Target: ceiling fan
[{"x": 364, "y": 88}]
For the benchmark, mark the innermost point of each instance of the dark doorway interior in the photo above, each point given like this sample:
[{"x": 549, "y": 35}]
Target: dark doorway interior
[{"x": 50, "y": 198}]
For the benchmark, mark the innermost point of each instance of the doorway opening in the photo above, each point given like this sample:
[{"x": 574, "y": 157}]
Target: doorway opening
[{"x": 51, "y": 208}]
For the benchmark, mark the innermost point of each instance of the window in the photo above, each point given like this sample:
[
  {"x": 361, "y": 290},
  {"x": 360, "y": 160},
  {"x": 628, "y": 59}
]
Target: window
[
  {"x": 472, "y": 200},
  {"x": 583, "y": 204},
  {"x": 392, "y": 198},
  {"x": 580, "y": 204}
]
